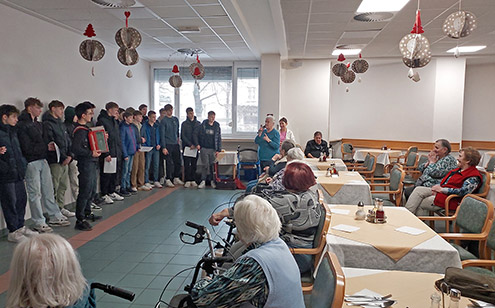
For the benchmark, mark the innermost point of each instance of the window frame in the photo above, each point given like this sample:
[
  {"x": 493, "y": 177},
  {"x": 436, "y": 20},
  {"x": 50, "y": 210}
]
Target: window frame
[{"x": 235, "y": 66}]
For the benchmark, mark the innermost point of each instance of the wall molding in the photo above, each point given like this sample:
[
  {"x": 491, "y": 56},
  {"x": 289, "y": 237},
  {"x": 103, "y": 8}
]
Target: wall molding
[
  {"x": 396, "y": 144},
  {"x": 479, "y": 145}
]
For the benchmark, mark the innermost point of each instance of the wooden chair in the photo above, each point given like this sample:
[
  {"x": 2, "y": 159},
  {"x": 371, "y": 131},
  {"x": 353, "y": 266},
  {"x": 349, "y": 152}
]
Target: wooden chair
[
  {"x": 405, "y": 156},
  {"x": 356, "y": 164},
  {"x": 393, "y": 187},
  {"x": 347, "y": 151},
  {"x": 329, "y": 285},
  {"x": 412, "y": 175},
  {"x": 490, "y": 166},
  {"x": 319, "y": 244},
  {"x": 369, "y": 170},
  {"x": 473, "y": 216}
]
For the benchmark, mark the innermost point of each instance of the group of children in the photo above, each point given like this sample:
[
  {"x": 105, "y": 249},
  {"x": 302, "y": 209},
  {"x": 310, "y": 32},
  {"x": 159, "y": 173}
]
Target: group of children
[{"x": 38, "y": 160}]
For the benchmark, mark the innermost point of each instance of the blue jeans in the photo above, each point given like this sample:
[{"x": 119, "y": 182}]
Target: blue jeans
[
  {"x": 152, "y": 159},
  {"x": 39, "y": 185},
  {"x": 126, "y": 173},
  {"x": 13, "y": 201}
]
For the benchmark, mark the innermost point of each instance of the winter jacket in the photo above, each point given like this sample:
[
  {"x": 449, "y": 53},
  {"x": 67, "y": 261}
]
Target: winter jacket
[
  {"x": 187, "y": 131},
  {"x": 169, "y": 131},
  {"x": 30, "y": 135},
  {"x": 12, "y": 163},
  {"x": 146, "y": 132},
  {"x": 80, "y": 144},
  {"x": 205, "y": 134},
  {"x": 54, "y": 131},
  {"x": 139, "y": 133},
  {"x": 112, "y": 128},
  {"x": 128, "y": 136}
]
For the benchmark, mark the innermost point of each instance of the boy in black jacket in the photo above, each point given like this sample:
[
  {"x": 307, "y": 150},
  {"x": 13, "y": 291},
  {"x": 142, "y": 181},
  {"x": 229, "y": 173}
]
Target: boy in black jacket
[
  {"x": 13, "y": 196},
  {"x": 188, "y": 130},
  {"x": 87, "y": 163}
]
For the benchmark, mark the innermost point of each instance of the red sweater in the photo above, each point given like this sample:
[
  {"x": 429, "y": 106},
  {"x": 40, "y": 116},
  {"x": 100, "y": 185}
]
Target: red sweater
[{"x": 456, "y": 180}]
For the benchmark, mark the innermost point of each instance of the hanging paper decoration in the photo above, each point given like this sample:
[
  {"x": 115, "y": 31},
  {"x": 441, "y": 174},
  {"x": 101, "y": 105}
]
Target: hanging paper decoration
[
  {"x": 348, "y": 77},
  {"x": 197, "y": 69},
  {"x": 459, "y": 24},
  {"x": 175, "y": 80},
  {"x": 128, "y": 40},
  {"x": 91, "y": 50},
  {"x": 415, "y": 48},
  {"x": 340, "y": 68},
  {"x": 360, "y": 65}
]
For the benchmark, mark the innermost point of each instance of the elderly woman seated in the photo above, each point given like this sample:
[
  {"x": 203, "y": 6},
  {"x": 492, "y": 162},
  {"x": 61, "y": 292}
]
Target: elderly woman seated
[
  {"x": 317, "y": 146},
  {"x": 45, "y": 272},
  {"x": 298, "y": 209},
  {"x": 460, "y": 181},
  {"x": 276, "y": 182},
  {"x": 265, "y": 275}
]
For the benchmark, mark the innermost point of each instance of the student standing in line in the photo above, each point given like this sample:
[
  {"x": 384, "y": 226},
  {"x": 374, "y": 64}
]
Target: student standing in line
[
  {"x": 137, "y": 173},
  {"x": 210, "y": 144},
  {"x": 129, "y": 148},
  {"x": 70, "y": 123},
  {"x": 188, "y": 135},
  {"x": 169, "y": 133},
  {"x": 152, "y": 139}
]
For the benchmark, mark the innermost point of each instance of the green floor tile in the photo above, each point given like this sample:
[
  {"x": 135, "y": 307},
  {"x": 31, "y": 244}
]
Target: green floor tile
[
  {"x": 187, "y": 260},
  {"x": 135, "y": 280},
  {"x": 167, "y": 248},
  {"x": 148, "y": 268},
  {"x": 120, "y": 266},
  {"x": 162, "y": 258},
  {"x": 148, "y": 297},
  {"x": 134, "y": 256},
  {"x": 173, "y": 269}
]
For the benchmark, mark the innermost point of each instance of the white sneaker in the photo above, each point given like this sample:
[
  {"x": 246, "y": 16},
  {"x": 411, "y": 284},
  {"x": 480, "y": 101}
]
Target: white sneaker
[
  {"x": 67, "y": 213},
  {"x": 158, "y": 185},
  {"x": 116, "y": 197},
  {"x": 177, "y": 181},
  {"x": 187, "y": 185},
  {"x": 16, "y": 236},
  {"x": 162, "y": 180},
  {"x": 107, "y": 199},
  {"x": 202, "y": 185},
  {"x": 213, "y": 185},
  {"x": 43, "y": 228},
  {"x": 95, "y": 207},
  {"x": 134, "y": 189},
  {"x": 149, "y": 185},
  {"x": 144, "y": 188},
  {"x": 169, "y": 183},
  {"x": 27, "y": 231},
  {"x": 194, "y": 184}
]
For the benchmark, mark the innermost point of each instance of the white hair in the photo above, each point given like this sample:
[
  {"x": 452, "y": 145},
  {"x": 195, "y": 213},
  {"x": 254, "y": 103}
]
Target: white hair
[
  {"x": 271, "y": 118},
  {"x": 295, "y": 154},
  {"x": 45, "y": 273},
  {"x": 256, "y": 220}
]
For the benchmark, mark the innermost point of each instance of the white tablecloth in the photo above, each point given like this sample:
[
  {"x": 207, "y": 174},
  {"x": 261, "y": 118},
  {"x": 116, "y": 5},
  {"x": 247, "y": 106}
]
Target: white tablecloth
[
  {"x": 227, "y": 158},
  {"x": 382, "y": 156},
  {"x": 350, "y": 193},
  {"x": 339, "y": 163},
  {"x": 433, "y": 255}
]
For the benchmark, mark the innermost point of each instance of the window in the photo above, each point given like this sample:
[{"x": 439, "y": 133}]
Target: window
[{"x": 231, "y": 91}]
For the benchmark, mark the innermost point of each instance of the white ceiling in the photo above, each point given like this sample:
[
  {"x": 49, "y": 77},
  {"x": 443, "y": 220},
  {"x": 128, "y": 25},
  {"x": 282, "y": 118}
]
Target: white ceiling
[{"x": 245, "y": 29}]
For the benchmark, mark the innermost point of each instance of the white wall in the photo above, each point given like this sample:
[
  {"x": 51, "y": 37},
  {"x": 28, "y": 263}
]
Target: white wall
[
  {"x": 479, "y": 106},
  {"x": 305, "y": 99},
  {"x": 40, "y": 59},
  {"x": 270, "y": 86}
]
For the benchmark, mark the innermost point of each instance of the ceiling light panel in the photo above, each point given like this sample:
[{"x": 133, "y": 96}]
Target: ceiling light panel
[
  {"x": 381, "y": 6},
  {"x": 346, "y": 52},
  {"x": 466, "y": 49},
  {"x": 174, "y": 11},
  {"x": 210, "y": 10}
]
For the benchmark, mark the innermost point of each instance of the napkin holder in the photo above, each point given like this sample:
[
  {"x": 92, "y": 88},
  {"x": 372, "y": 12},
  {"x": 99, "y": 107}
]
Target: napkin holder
[{"x": 371, "y": 218}]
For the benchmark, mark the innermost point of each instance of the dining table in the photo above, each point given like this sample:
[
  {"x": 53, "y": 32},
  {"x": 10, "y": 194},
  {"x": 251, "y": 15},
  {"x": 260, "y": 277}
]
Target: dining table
[
  {"x": 383, "y": 157},
  {"x": 403, "y": 243},
  {"x": 348, "y": 187},
  {"x": 409, "y": 289},
  {"x": 316, "y": 164}
]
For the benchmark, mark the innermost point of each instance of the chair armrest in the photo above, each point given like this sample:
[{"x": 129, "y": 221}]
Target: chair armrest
[
  {"x": 379, "y": 184},
  {"x": 463, "y": 236},
  {"x": 439, "y": 218},
  {"x": 468, "y": 263},
  {"x": 305, "y": 251}
]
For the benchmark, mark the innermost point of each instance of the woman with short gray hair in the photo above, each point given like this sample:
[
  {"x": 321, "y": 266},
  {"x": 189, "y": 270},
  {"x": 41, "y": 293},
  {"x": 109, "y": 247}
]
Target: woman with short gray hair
[{"x": 266, "y": 275}]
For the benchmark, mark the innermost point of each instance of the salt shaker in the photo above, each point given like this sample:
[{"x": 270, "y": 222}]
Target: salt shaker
[
  {"x": 435, "y": 300},
  {"x": 360, "y": 213},
  {"x": 455, "y": 296}
]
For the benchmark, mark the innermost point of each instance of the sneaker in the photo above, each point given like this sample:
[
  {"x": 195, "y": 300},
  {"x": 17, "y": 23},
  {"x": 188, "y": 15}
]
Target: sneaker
[
  {"x": 58, "y": 222},
  {"x": 27, "y": 231},
  {"x": 144, "y": 188},
  {"x": 108, "y": 199},
  {"x": 133, "y": 189},
  {"x": 125, "y": 193},
  {"x": 16, "y": 237},
  {"x": 67, "y": 213},
  {"x": 158, "y": 185},
  {"x": 92, "y": 216},
  {"x": 43, "y": 228},
  {"x": 177, "y": 181},
  {"x": 187, "y": 185},
  {"x": 116, "y": 197},
  {"x": 83, "y": 226},
  {"x": 162, "y": 180},
  {"x": 213, "y": 184},
  {"x": 169, "y": 183},
  {"x": 99, "y": 200},
  {"x": 194, "y": 184},
  {"x": 202, "y": 185},
  {"x": 95, "y": 207},
  {"x": 149, "y": 185}
]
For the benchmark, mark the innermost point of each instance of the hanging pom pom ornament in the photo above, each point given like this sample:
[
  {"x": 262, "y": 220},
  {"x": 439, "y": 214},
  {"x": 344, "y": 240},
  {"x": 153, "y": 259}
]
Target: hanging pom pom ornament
[
  {"x": 414, "y": 47},
  {"x": 175, "y": 80},
  {"x": 340, "y": 68},
  {"x": 459, "y": 24},
  {"x": 360, "y": 65},
  {"x": 128, "y": 40},
  {"x": 197, "y": 69},
  {"x": 91, "y": 50},
  {"x": 348, "y": 77},
  {"x": 129, "y": 74}
]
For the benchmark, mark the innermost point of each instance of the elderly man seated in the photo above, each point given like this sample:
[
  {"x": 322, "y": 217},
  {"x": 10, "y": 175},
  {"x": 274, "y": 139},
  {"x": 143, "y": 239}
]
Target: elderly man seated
[
  {"x": 461, "y": 181},
  {"x": 266, "y": 275},
  {"x": 316, "y": 147},
  {"x": 439, "y": 163}
]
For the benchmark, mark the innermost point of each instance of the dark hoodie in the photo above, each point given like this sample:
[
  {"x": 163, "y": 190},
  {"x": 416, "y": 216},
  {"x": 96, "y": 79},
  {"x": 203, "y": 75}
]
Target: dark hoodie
[
  {"x": 69, "y": 123},
  {"x": 31, "y": 137},
  {"x": 113, "y": 130},
  {"x": 12, "y": 163},
  {"x": 187, "y": 130},
  {"x": 54, "y": 131},
  {"x": 210, "y": 136}
]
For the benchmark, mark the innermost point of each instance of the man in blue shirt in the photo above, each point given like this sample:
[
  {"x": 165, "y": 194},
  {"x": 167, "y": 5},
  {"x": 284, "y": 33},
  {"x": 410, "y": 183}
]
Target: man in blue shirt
[
  {"x": 169, "y": 133},
  {"x": 268, "y": 141}
]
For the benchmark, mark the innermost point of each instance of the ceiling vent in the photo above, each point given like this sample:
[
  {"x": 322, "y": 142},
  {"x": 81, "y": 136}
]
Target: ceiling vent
[
  {"x": 350, "y": 46},
  {"x": 120, "y": 4},
  {"x": 191, "y": 51},
  {"x": 189, "y": 29},
  {"x": 374, "y": 16}
]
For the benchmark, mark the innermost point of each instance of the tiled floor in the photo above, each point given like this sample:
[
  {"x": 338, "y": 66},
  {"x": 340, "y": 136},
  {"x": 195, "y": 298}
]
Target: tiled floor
[{"x": 143, "y": 252}]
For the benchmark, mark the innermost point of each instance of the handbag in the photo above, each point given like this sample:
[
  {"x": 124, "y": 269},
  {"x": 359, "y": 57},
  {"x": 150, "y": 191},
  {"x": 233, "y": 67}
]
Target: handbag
[{"x": 471, "y": 284}]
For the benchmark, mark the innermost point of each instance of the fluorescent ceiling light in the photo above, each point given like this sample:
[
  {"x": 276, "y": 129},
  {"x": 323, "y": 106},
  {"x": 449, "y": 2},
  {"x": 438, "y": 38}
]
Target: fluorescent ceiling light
[
  {"x": 346, "y": 52},
  {"x": 467, "y": 49},
  {"x": 381, "y": 6}
]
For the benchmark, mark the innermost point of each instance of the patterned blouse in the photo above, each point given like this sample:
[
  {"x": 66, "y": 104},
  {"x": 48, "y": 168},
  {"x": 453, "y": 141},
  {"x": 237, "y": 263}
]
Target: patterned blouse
[
  {"x": 434, "y": 173},
  {"x": 244, "y": 282},
  {"x": 469, "y": 185}
]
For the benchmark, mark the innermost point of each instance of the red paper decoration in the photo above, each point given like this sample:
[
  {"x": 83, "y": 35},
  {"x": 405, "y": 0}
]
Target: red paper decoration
[
  {"x": 417, "y": 28},
  {"x": 341, "y": 58},
  {"x": 175, "y": 69},
  {"x": 90, "y": 32}
]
